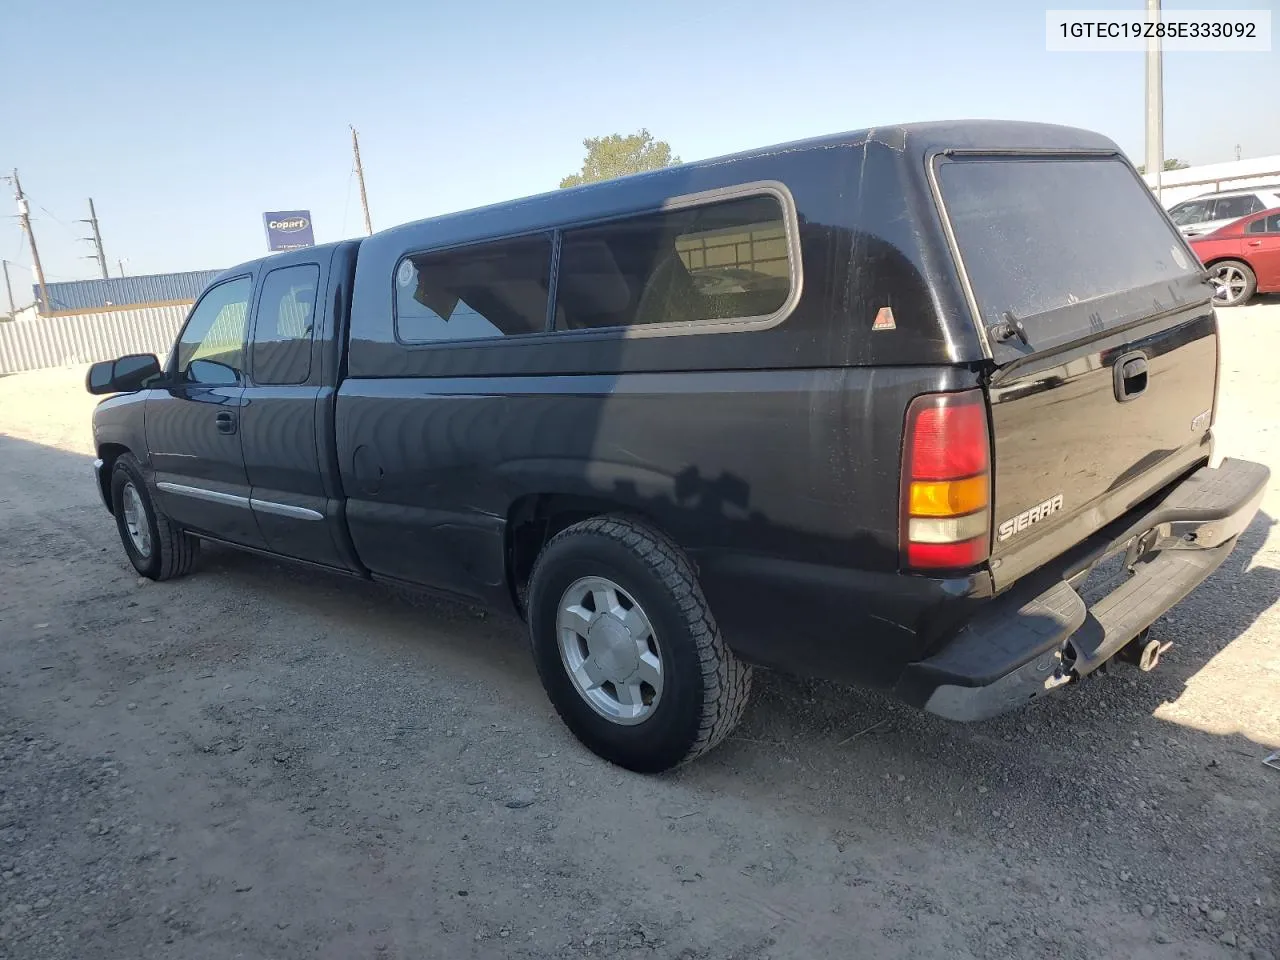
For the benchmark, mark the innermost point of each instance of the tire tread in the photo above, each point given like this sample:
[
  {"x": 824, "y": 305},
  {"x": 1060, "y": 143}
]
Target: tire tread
[
  {"x": 726, "y": 680},
  {"x": 178, "y": 548},
  {"x": 175, "y": 549}
]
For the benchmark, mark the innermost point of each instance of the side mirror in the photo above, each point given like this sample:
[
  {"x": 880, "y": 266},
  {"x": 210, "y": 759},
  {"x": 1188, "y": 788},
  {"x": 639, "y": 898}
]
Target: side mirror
[{"x": 122, "y": 375}]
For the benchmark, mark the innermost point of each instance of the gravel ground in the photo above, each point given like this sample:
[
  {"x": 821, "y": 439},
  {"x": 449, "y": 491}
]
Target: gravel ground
[{"x": 262, "y": 761}]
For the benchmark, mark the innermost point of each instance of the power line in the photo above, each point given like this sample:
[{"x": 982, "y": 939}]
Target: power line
[{"x": 62, "y": 223}]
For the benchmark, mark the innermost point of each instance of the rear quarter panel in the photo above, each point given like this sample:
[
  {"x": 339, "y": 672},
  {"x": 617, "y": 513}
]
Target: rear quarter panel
[
  {"x": 796, "y": 463},
  {"x": 1210, "y": 251}
]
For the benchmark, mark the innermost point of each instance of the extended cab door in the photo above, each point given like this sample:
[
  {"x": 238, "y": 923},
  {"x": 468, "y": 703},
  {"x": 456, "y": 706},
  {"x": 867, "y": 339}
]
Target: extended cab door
[
  {"x": 286, "y": 426},
  {"x": 193, "y": 420}
]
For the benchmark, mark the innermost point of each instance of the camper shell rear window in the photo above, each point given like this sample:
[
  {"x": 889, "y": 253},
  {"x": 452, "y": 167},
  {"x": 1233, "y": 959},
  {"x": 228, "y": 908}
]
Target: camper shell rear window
[{"x": 1036, "y": 235}]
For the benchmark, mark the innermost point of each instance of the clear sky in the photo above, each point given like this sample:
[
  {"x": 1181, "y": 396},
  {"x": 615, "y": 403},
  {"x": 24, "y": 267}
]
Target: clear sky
[{"x": 186, "y": 121}]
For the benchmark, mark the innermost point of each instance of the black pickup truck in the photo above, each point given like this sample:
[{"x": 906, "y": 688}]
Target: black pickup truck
[{"x": 871, "y": 407}]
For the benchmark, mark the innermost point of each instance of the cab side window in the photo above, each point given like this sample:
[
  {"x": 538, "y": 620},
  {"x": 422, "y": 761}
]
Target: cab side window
[
  {"x": 1236, "y": 207},
  {"x": 284, "y": 325},
  {"x": 211, "y": 348},
  {"x": 726, "y": 260},
  {"x": 483, "y": 291}
]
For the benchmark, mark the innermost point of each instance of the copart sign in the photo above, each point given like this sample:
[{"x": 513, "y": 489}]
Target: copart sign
[{"x": 288, "y": 230}]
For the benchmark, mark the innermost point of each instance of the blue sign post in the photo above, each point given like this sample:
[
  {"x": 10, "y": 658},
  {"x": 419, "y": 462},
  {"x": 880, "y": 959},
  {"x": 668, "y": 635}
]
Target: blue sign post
[{"x": 289, "y": 230}]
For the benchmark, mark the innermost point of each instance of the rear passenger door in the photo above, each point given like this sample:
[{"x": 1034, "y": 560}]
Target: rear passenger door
[
  {"x": 1262, "y": 247},
  {"x": 281, "y": 424},
  {"x": 1233, "y": 208}
]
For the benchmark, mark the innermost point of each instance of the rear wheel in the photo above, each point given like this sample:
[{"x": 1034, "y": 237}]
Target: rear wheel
[
  {"x": 1234, "y": 281},
  {"x": 627, "y": 648},
  {"x": 156, "y": 548}
]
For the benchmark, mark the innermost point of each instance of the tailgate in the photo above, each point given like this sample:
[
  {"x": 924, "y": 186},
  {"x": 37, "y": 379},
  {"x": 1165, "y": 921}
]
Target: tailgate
[{"x": 1104, "y": 343}]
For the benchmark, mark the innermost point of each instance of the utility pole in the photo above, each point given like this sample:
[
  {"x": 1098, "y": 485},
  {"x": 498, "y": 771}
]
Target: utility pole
[
  {"x": 13, "y": 307},
  {"x": 364, "y": 199},
  {"x": 96, "y": 240},
  {"x": 1155, "y": 102},
  {"x": 120, "y": 264},
  {"x": 1237, "y": 151},
  {"x": 24, "y": 218}
]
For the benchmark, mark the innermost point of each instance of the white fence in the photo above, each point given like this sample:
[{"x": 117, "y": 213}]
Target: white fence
[
  {"x": 1179, "y": 185},
  {"x": 86, "y": 337}
]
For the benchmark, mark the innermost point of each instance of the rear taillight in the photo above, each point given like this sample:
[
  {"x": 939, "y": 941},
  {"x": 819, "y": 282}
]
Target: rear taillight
[{"x": 946, "y": 482}]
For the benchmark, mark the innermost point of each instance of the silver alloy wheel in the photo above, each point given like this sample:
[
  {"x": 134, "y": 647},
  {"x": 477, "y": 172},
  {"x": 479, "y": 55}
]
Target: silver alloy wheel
[
  {"x": 1229, "y": 285},
  {"x": 609, "y": 650},
  {"x": 135, "y": 520}
]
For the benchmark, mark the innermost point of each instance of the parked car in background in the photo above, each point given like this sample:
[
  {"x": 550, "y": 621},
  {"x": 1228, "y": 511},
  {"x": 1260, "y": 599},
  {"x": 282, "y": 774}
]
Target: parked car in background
[
  {"x": 1213, "y": 211},
  {"x": 1243, "y": 257}
]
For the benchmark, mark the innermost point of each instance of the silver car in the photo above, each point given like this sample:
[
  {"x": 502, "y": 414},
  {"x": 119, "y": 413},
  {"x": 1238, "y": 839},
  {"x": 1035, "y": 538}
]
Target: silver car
[{"x": 1207, "y": 213}]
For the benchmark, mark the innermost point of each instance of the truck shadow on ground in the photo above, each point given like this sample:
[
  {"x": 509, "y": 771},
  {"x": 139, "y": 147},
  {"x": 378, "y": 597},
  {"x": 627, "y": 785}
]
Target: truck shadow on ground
[
  {"x": 1073, "y": 791},
  {"x": 804, "y": 736},
  {"x": 1203, "y": 625},
  {"x": 786, "y": 710},
  {"x": 1095, "y": 769},
  {"x": 1199, "y": 629}
]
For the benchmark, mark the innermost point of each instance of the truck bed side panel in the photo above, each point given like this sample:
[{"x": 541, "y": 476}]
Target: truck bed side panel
[{"x": 743, "y": 469}]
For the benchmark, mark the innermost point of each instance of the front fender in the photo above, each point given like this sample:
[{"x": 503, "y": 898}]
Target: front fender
[{"x": 119, "y": 425}]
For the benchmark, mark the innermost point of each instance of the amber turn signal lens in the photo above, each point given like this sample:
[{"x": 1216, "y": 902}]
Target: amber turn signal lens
[{"x": 947, "y": 498}]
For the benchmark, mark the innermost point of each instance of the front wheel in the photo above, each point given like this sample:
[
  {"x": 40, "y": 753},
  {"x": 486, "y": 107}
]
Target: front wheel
[
  {"x": 1234, "y": 283},
  {"x": 156, "y": 548},
  {"x": 628, "y": 650}
]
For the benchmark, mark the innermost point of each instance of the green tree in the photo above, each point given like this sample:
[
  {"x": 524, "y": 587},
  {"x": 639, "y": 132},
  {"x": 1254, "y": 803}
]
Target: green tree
[
  {"x": 1173, "y": 163},
  {"x": 617, "y": 155}
]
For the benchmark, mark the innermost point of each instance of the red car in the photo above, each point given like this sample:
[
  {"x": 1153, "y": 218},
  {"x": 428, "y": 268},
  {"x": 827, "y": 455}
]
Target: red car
[{"x": 1244, "y": 257}]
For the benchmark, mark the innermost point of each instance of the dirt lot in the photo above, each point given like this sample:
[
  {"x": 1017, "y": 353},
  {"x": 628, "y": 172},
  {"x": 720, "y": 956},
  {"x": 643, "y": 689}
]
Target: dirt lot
[{"x": 266, "y": 762}]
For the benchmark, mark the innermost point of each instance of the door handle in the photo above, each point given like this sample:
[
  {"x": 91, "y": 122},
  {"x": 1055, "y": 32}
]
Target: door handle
[
  {"x": 226, "y": 422},
  {"x": 1130, "y": 377},
  {"x": 1255, "y": 243}
]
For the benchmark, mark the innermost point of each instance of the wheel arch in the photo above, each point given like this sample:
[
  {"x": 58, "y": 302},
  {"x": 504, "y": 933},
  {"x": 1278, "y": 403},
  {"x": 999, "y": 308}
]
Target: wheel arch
[
  {"x": 109, "y": 453},
  {"x": 1223, "y": 258},
  {"x": 533, "y": 519}
]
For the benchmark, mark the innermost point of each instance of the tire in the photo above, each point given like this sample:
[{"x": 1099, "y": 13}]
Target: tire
[
  {"x": 156, "y": 548},
  {"x": 1238, "y": 278},
  {"x": 703, "y": 688}
]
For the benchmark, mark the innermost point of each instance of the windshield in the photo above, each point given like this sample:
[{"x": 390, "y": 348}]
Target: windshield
[{"x": 1036, "y": 235}]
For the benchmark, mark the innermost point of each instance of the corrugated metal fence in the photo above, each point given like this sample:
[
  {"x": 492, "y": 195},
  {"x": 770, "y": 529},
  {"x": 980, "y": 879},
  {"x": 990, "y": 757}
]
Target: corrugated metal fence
[
  {"x": 86, "y": 337},
  {"x": 125, "y": 291}
]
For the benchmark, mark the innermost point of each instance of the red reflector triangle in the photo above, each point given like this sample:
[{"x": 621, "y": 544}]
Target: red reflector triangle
[{"x": 884, "y": 320}]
